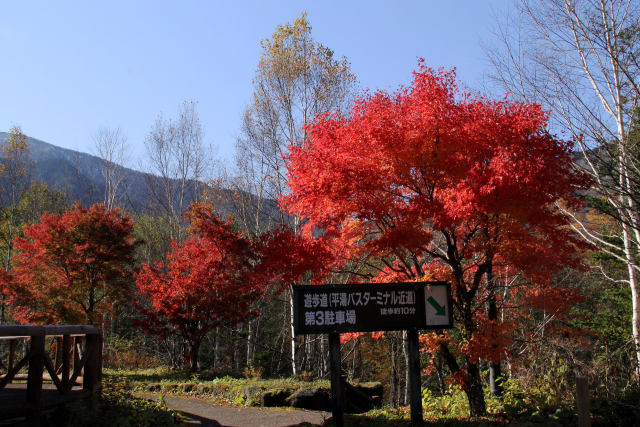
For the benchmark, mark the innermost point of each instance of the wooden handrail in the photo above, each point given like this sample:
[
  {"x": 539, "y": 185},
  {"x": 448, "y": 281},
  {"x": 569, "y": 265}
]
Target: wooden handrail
[
  {"x": 81, "y": 350},
  {"x": 20, "y": 331}
]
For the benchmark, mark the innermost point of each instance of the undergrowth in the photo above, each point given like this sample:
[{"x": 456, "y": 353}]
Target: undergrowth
[
  {"x": 519, "y": 404},
  {"x": 224, "y": 389},
  {"x": 117, "y": 406}
]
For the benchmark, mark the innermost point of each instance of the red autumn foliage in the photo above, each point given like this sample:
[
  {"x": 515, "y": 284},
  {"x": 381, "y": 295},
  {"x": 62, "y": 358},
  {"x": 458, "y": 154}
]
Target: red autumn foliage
[
  {"x": 431, "y": 342},
  {"x": 206, "y": 282},
  {"x": 490, "y": 340},
  {"x": 215, "y": 276},
  {"x": 285, "y": 257},
  {"x": 71, "y": 268},
  {"x": 432, "y": 182}
]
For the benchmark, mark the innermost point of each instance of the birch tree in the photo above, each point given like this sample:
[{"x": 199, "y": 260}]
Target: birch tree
[
  {"x": 15, "y": 173},
  {"x": 296, "y": 79},
  {"x": 177, "y": 156},
  {"x": 580, "y": 59},
  {"x": 15, "y": 177},
  {"x": 112, "y": 148}
]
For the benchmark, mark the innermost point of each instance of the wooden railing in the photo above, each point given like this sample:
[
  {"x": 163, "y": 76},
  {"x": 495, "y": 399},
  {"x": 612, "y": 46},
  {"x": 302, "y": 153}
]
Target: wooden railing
[{"x": 78, "y": 355}]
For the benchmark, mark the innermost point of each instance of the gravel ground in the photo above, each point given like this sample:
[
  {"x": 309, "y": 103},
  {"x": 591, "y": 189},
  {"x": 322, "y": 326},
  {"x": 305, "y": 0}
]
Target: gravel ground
[{"x": 205, "y": 413}]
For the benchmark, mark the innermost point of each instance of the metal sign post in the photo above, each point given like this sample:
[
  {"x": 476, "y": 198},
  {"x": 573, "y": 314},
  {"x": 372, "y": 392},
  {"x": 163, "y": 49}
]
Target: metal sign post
[{"x": 335, "y": 309}]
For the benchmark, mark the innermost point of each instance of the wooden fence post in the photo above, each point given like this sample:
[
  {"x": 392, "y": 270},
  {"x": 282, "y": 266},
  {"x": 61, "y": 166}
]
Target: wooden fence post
[
  {"x": 92, "y": 365},
  {"x": 92, "y": 368},
  {"x": 337, "y": 392},
  {"x": 34, "y": 379},
  {"x": 99, "y": 347},
  {"x": 415, "y": 382},
  {"x": 66, "y": 362},
  {"x": 12, "y": 353}
]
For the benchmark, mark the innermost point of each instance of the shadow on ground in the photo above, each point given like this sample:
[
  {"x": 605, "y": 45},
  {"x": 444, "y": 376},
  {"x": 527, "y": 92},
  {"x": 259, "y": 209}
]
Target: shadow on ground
[{"x": 196, "y": 420}]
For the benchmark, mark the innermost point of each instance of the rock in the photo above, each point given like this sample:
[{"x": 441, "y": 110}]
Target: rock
[
  {"x": 252, "y": 396},
  {"x": 356, "y": 400},
  {"x": 374, "y": 390},
  {"x": 275, "y": 398},
  {"x": 170, "y": 388},
  {"x": 311, "y": 398},
  {"x": 203, "y": 389}
]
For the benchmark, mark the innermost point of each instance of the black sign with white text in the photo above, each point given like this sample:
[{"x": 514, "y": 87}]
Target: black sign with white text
[{"x": 371, "y": 307}]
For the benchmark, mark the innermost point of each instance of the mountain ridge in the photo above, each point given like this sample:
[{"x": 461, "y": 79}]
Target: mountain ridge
[{"x": 79, "y": 176}]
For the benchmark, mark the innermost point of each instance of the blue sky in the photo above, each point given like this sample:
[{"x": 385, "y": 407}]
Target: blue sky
[{"x": 69, "y": 68}]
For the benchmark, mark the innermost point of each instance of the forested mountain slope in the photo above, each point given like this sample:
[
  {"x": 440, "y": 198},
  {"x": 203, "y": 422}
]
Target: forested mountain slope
[{"x": 79, "y": 176}]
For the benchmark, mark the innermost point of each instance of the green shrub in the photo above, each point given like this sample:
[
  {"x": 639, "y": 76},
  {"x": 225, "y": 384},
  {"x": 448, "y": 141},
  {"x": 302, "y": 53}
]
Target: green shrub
[
  {"x": 119, "y": 407},
  {"x": 453, "y": 403}
]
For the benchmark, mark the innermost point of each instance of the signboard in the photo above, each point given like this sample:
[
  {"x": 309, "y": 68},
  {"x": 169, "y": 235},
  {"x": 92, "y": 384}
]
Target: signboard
[
  {"x": 437, "y": 301},
  {"x": 369, "y": 307}
]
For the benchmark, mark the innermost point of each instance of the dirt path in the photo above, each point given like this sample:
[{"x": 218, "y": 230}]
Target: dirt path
[{"x": 203, "y": 412}]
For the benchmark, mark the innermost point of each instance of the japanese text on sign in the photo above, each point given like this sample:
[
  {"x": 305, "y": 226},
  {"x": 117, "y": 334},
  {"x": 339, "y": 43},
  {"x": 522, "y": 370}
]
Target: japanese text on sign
[
  {"x": 340, "y": 300},
  {"x": 358, "y": 307}
]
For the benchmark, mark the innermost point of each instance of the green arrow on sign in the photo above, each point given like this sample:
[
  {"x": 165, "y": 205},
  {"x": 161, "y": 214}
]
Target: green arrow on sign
[{"x": 440, "y": 309}]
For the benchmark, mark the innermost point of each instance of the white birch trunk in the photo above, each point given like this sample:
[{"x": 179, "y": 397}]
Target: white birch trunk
[{"x": 294, "y": 347}]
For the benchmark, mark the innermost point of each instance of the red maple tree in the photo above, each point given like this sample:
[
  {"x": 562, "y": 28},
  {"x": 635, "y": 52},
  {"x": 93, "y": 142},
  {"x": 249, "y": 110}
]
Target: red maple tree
[
  {"x": 432, "y": 182},
  {"x": 214, "y": 277},
  {"x": 71, "y": 268}
]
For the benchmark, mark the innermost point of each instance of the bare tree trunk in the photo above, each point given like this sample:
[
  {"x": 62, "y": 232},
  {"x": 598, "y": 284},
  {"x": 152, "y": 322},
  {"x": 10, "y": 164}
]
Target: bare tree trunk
[
  {"x": 492, "y": 311},
  {"x": 195, "y": 356},
  {"x": 635, "y": 300},
  {"x": 303, "y": 358},
  {"x": 394, "y": 370},
  {"x": 236, "y": 352},
  {"x": 250, "y": 339},
  {"x": 405, "y": 350},
  {"x": 323, "y": 356},
  {"x": 282, "y": 353},
  {"x": 216, "y": 350},
  {"x": 294, "y": 347},
  {"x": 8, "y": 259},
  {"x": 440, "y": 374}
]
